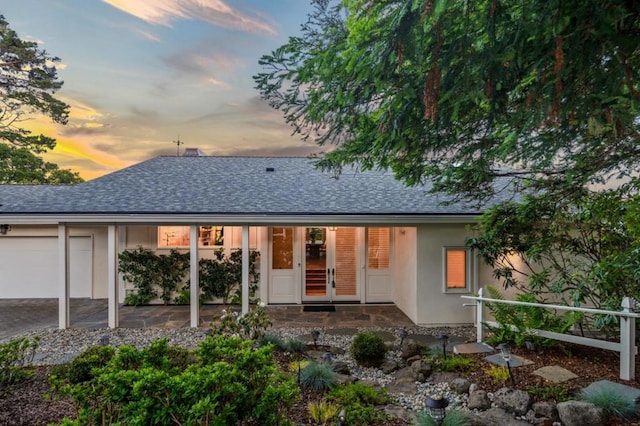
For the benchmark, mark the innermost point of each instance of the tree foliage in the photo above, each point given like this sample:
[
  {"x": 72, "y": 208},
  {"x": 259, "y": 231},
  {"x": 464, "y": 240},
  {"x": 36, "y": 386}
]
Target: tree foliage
[
  {"x": 28, "y": 82},
  {"x": 582, "y": 250},
  {"x": 463, "y": 92}
]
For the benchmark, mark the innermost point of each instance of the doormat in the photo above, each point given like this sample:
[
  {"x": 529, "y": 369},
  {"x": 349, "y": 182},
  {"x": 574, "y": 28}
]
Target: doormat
[{"x": 318, "y": 308}]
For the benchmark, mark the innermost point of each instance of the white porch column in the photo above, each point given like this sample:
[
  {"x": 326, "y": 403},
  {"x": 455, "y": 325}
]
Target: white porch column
[
  {"x": 63, "y": 277},
  {"x": 194, "y": 276},
  {"x": 112, "y": 275},
  {"x": 245, "y": 269}
]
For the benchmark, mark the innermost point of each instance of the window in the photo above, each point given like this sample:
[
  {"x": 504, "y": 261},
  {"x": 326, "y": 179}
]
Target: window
[
  {"x": 457, "y": 266},
  {"x": 282, "y": 248},
  {"x": 178, "y": 236},
  {"x": 378, "y": 248},
  {"x": 173, "y": 236}
]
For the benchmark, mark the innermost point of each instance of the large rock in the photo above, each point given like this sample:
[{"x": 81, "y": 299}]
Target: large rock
[
  {"x": 479, "y": 400},
  {"x": 460, "y": 385},
  {"x": 410, "y": 348},
  {"x": 421, "y": 370},
  {"x": 345, "y": 379},
  {"x": 340, "y": 367},
  {"x": 578, "y": 413},
  {"x": 404, "y": 385},
  {"x": 498, "y": 417},
  {"x": 513, "y": 401},
  {"x": 545, "y": 409},
  {"x": 534, "y": 419},
  {"x": 399, "y": 412},
  {"x": 388, "y": 367}
]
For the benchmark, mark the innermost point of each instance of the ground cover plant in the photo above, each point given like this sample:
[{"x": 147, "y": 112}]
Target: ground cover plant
[{"x": 164, "y": 385}]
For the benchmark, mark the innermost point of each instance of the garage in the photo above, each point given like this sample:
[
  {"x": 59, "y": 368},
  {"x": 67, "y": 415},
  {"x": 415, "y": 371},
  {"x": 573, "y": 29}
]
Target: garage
[{"x": 28, "y": 267}]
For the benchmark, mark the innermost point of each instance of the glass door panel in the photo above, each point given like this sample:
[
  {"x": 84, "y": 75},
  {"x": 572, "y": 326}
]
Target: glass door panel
[{"x": 315, "y": 270}]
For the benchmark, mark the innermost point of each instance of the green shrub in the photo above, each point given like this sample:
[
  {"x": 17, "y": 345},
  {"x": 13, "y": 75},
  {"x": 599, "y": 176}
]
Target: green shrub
[
  {"x": 368, "y": 349},
  {"x": 273, "y": 339},
  {"x": 610, "y": 399},
  {"x": 221, "y": 277},
  {"x": 148, "y": 272},
  {"x": 454, "y": 417},
  {"x": 319, "y": 377},
  {"x": 14, "y": 356},
  {"x": 296, "y": 346},
  {"x": 81, "y": 368},
  {"x": 452, "y": 363},
  {"x": 516, "y": 324},
  {"x": 359, "y": 401},
  {"x": 252, "y": 325},
  {"x": 498, "y": 372},
  {"x": 322, "y": 412},
  {"x": 225, "y": 382},
  {"x": 558, "y": 392}
]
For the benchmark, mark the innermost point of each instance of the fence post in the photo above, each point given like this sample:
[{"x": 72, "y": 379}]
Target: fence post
[
  {"x": 480, "y": 318},
  {"x": 627, "y": 341}
]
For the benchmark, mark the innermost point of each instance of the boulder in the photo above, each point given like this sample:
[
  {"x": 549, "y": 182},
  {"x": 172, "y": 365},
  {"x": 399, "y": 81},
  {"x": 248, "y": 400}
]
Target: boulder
[
  {"x": 534, "y": 419},
  {"x": 388, "y": 367},
  {"x": 409, "y": 348},
  {"x": 340, "y": 367},
  {"x": 345, "y": 379},
  {"x": 421, "y": 370},
  {"x": 460, "y": 385},
  {"x": 497, "y": 416},
  {"x": 479, "y": 400},
  {"x": 413, "y": 359},
  {"x": 578, "y": 413},
  {"x": 400, "y": 413},
  {"x": 513, "y": 401},
  {"x": 404, "y": 385},
  {"x": 545, "y": 409}
]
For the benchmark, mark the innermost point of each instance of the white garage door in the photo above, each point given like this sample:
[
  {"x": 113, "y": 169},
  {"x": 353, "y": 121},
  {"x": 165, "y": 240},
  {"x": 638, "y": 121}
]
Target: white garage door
[{"x": 29, "y": 267}]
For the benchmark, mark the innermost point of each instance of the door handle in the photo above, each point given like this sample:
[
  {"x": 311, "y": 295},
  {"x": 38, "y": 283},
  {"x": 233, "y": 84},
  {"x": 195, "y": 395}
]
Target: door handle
[
  {"x": 333, "y": 278},
  {"x": 328, "y": 275}
]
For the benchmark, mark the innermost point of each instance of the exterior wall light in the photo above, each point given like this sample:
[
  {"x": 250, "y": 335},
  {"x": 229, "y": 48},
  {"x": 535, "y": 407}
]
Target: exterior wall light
[
  {"x": 4, "y": 228},
  {"x": 436, "y": 407},
  {"x": 333, "y": 228}
]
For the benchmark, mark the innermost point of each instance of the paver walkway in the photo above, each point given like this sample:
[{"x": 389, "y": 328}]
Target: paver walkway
[{"x": 19, "y": 316}]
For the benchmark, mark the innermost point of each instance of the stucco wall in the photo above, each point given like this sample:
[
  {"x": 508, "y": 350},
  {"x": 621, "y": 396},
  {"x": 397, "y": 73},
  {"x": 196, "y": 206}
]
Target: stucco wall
[
  {"x": 404, "y": 271},
  {"x": 434, "y": 306}
]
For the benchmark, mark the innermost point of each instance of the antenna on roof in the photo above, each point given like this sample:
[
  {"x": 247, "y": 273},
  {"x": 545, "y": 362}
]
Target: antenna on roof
[{"x": 178, "y": 142}]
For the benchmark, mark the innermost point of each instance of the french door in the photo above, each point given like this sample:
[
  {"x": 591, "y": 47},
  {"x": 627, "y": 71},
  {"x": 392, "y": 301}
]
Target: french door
[{"x": 330, "y": 270}]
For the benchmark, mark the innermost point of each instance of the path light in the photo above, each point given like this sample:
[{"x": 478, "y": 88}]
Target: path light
[
  {"x": 436, "y": 407},
  {"x": 403, "y": 333},
  {"x": 342, "y": 418},
  {"x": 315, "y": 334},
  {"x": 505, "y": 351},
  {"x": 444, "y": 339},
  {"x": 326, "y": 357},
  {"x": 103, "y": 340}
]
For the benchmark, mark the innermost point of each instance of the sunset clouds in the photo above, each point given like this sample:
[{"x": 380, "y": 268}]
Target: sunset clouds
[
  {"x": 216, "y": 12},
  {"x": 139, "y": 74}
]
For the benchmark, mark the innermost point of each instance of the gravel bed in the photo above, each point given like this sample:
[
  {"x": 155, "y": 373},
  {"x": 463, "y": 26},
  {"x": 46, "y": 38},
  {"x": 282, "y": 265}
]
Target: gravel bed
[{"x": 58, "y": 346}]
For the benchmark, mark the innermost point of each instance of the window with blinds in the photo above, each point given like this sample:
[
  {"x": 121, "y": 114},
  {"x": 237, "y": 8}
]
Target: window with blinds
[
  {"x": 346, "y": 258},
  {"x": 457, "y": 269},
  {"x": 378, "y": 248}
]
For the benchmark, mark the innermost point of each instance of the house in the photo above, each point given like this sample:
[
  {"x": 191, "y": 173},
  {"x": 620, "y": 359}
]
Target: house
[{"x": 362, "y": 237}]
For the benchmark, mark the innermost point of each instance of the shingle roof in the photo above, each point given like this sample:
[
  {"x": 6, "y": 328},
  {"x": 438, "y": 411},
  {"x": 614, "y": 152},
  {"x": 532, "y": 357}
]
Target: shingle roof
[{"x": 231, "y": 186}]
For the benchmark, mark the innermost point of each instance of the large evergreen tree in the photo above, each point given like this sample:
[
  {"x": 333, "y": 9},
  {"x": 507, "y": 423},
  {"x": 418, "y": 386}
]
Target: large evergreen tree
[
  {"x": 28, "y": 82},
  {"x": 462, "y": 91}
]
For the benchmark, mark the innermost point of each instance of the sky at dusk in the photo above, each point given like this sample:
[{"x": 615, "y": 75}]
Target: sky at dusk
[{"x": 140, "y": 74}]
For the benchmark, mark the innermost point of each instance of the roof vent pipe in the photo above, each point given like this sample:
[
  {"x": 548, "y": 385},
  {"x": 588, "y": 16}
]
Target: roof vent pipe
[{"x": 271, "y": 169}]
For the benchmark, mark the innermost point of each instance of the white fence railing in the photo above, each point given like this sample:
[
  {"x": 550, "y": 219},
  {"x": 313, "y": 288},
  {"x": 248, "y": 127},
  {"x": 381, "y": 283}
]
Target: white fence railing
[{"x": 626, "y": 346}]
